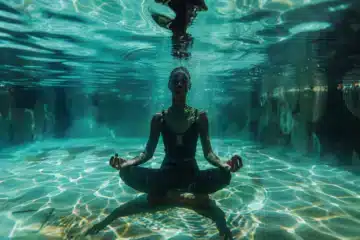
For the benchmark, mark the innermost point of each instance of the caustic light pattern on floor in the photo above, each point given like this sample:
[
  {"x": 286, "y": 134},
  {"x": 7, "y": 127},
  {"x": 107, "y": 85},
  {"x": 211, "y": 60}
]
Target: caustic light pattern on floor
[{"x": 56, "y": 190}]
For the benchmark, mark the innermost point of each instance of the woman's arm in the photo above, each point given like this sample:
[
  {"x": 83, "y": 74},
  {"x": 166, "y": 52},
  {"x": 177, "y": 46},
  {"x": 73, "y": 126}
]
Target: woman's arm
[
  {"x": 147, "y": 154},
  {"x": 209, "y": 155}
]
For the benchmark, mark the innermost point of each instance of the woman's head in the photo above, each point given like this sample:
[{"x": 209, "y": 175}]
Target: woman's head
[{"x": 179, "y": 81}]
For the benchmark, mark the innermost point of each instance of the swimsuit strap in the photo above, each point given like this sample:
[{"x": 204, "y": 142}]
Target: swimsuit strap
[
  {"x": 163, "y": 116},
  {"x": 196, "y": 116}
]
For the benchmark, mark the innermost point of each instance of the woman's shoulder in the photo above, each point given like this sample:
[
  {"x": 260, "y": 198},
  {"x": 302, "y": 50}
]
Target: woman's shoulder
[
  {"x": 161, "y": 113},
  {"x": 199, "y": 110},
  {"x": 200, "y": 114},
  {"x": 158, "y": 117}
]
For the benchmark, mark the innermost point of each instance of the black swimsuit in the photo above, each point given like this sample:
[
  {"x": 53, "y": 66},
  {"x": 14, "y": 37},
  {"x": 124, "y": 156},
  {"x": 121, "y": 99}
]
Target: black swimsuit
[
  {"x": 179, "y": 169},
  {"x": 180, "y": 149}
]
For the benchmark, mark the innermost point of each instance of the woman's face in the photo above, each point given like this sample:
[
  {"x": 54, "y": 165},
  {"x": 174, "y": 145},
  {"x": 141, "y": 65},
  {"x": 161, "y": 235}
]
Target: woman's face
[{"x": 179, "y": 85}]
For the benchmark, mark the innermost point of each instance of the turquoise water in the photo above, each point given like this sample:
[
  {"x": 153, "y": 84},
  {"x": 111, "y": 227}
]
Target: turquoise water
[
  {"x": 54, "y": 190},
  {"x": 112, "y": 51}
]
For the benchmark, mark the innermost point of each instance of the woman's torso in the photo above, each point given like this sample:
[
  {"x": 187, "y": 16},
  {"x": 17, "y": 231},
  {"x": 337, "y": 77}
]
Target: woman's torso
[{"x": 180, "y": 135}]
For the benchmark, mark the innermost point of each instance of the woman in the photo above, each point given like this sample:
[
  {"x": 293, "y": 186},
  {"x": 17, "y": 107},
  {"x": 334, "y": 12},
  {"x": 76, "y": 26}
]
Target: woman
[{"x": 180, "y": 127}]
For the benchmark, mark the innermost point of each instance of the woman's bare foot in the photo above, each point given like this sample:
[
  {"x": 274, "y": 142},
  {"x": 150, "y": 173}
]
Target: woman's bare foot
[{"x": 188, "y": 198}]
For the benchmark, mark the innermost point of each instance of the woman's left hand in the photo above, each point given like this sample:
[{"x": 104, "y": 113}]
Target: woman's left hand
[{"x": 235, "y": 163}]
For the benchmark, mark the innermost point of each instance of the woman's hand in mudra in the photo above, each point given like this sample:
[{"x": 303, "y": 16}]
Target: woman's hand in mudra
[
  {"x": 117, "y": 162},
  {"x": 235, "y": 163}
]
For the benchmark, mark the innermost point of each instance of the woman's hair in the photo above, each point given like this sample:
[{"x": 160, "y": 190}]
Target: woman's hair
[{"x": 182, "y": 70}]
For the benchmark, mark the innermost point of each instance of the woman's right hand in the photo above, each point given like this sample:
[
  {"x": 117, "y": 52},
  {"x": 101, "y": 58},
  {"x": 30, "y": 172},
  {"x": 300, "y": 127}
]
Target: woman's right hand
[{"x": 116, "y": 162}]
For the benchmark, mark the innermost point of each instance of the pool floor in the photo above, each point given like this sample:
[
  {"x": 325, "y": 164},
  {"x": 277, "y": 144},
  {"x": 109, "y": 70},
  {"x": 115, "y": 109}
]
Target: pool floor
[{"x": 58, "y": 189}]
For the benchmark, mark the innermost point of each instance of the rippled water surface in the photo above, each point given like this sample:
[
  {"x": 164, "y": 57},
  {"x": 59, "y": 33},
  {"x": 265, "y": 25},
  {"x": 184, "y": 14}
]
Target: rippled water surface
[
  {"x": 75, "y": 42},
  {"x": 55, "y": 190}
]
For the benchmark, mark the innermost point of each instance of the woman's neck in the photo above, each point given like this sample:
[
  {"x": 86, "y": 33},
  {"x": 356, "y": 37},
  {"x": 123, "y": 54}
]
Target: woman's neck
[
  {"x": 178, "y": 107},
  {"x": 179, "y": 102}
]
